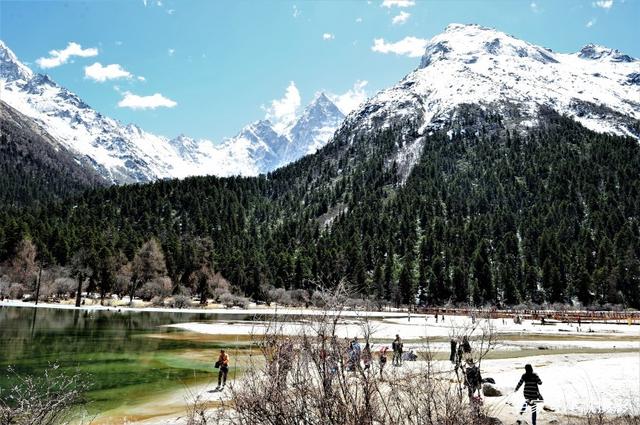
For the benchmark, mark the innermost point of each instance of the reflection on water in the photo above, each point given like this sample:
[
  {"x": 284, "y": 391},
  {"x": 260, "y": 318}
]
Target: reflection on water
[{"x": 113, "y": 348}]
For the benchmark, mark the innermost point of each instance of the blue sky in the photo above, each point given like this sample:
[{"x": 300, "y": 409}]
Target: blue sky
[{"x": 207, "y": 68}]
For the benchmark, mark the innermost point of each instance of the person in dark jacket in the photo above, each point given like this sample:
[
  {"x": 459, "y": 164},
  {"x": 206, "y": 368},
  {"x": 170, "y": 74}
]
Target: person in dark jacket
[{"x": 531, "y": 391}]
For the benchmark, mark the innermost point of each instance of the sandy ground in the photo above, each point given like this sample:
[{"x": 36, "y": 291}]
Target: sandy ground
[
  {"x": 596, "y": 366},
  {"x": 572, "y": 385}
]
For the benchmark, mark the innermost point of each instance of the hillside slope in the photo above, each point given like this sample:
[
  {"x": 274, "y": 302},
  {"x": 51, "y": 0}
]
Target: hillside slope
[{"x": 34, "y": 167}]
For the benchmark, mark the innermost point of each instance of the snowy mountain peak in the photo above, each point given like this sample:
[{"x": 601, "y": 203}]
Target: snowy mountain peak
[
  {"x": 480, "y": 66},
  {"x": 127, "y": 153},
  {"x": 466, "y": 43},
  {"x": 10, "y": 67},
  {"x": 597, "y": 52},
  {"x": 321, "y": 104}
]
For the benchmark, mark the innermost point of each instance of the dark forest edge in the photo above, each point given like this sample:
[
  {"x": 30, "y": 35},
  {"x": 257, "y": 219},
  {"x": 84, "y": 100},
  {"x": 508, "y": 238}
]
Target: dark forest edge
[{"x": 485, "y": 217}]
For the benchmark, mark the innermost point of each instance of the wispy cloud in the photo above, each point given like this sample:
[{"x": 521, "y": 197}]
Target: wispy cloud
[
  {"x": 358, "y": 20},
  {"x": 282, "y": 112},
  {"x": 401, "y": 18},
  {"x": 171, "y": 11},
  {"x": 296, "y": 11},
  {"x": 352, "y": 98},
  {"x": 59, "y": 57},
  {"x": 408, "y": 46},
  {"x": 591, "y": 22},
  {"x": 98, "y": 72},
  {"x": 171, "y": 52},
  {"x": 534, "y": 7},
  {"x": 328, "y": 36},
  {"x": 603, "y": 4},
  {"x": 133, "y": 101},
  {"x": 398, "y": 3}
]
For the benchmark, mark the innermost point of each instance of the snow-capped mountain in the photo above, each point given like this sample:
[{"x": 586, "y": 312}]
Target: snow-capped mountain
[
  {"x": 313, "y": 129},
  {"x": 128, "y": 154},
  {"x": 471, "y": 64},
  {"x": 272, "y": 147}
]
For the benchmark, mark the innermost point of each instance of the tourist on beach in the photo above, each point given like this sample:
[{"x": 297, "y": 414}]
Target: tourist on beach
[
  {"x": 452, "y": 356},
  {"x": 396, "y": 346},
  {"x": 531, "y": 391},
  {"x": 355, "y": 352},
  {"x": 366, "y": 356},
  {"x": 223, "y": 364},
  {"x": 466, "y": 348},
  {"x": 383, "y": 358},
  {"x": 472, "y": 379}
]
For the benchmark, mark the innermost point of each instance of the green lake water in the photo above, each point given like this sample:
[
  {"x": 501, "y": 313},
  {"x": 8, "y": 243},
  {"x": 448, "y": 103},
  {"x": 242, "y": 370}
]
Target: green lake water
[{"x": 128, "y": 357}]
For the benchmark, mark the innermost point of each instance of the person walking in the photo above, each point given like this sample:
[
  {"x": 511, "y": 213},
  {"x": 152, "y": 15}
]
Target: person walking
[
  {"x": 452, "y": 355},
  {"x": 366, "y": 356},
  {"x": 531, "y": 392},
  {"x": 383, "y": 359},
  {"x": 396, "y": 346},
  {"x": 223, "y": 365}
]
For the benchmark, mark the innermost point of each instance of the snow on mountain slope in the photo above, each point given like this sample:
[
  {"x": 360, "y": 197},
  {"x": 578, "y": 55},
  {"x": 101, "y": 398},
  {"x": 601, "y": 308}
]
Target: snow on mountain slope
[
  {"x": 470, "y": 64},
  {"x": 273, "y": 147},
  {"x": 128, "y": 154},
  {"x": 313, "y": 129}
]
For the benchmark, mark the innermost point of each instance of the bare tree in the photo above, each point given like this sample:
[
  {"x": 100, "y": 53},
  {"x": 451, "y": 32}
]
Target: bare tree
[
  {"x": 51, "y": 398},
  {"x": 81, "y": 269},
  {"x": 312, "y": 375},
  {"x": 148, "y": 263},
  {"x": 23, "y": 265}
]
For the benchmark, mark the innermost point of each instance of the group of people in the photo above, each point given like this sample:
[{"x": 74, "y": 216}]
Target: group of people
[
  {"x": 357, "y": 356},
  {"x": 462, "y": 357}
]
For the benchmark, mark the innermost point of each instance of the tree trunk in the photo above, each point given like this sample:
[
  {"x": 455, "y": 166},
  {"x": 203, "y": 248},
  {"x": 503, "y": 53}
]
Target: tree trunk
[
  {"x": 38, "y": 284},
  {"x": 79, "y": 292}
]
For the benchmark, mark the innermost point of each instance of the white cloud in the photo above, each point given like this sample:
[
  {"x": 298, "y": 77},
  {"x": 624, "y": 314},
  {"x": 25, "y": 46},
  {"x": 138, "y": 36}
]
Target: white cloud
[
  {"x": 408, "y": 46},
  {"x": 351, "y": 99},
  {"x": 283, "y": 111},
  {"x": 100, "y": 73},
  {"x": 358, "y": 20},
  {"x": 603, "y": 4},
  {"x": 141, "y": 78},
  {"x": 398, "y": 3},
  {"x": 59, "y": 57},
  {"x": 591, "y": 22},
  {"x": 534, "y": 7},
  {"x": 171, "y": 11},
  {"x": 296, "y": 11},
  {"x": 144, "y": 2},
  {"x": 328, "y": 36},
  {"x": 133, "y": 101},
  {"x": 119, "y": 43},
  {"x": 170, "y": 52},
  {"x": 401, "y": 18}
]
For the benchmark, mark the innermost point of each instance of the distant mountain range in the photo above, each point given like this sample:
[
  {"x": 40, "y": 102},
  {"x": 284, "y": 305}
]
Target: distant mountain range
[
  {"x": 128, "y": 154},
  {"x": 496, "y": 172}
]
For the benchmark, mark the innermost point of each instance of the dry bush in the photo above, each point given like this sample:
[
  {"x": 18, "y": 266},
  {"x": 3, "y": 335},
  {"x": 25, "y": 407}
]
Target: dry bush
[
  {"x": 180, "y": 301},
  {"x": 311, "y": 378},
  {"x": 54, "y": 397}
]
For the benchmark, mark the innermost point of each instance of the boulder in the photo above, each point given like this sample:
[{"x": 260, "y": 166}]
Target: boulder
[{"x": 490, "y": 390}]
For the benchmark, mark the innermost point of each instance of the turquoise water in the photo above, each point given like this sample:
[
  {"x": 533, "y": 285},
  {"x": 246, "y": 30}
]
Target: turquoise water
[{"x": 125, "y": 356}]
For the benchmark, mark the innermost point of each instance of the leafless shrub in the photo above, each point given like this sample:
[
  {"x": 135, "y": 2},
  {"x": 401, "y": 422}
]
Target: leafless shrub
[
  {"x": 158, "y": 287},
  {"x": 51, "y": 398},
  {"x": 64, "y": 287},
  {"x": 16, "y": 291},
  {"x": 180, "y": 301},
  {"x": 231, "y": 300},
  {"x": 317, "y": 377}
]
